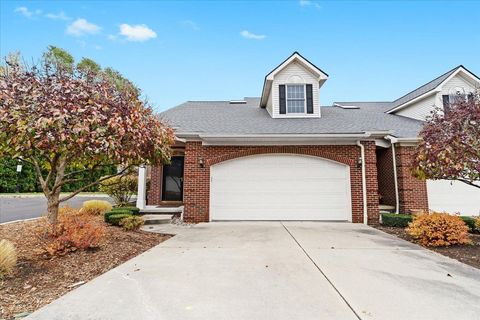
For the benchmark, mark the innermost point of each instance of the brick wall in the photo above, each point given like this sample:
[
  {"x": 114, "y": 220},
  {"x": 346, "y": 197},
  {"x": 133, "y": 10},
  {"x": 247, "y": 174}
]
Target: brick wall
[
  {"x": 386, "y": 176},
  {"x": 197, "y": 179},
  {"x": 155, "y": 186},
  {"x": 412, "y": 191}
]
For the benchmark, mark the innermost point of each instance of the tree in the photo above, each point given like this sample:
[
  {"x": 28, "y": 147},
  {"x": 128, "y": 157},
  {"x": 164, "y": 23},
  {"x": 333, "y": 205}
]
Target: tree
[
  {"x": 450, "y": 146},
  {"x": 66, "y": 126}
]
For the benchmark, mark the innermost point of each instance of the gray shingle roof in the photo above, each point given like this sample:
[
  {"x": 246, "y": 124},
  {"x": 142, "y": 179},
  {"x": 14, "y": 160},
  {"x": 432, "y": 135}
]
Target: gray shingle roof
[
  {"x": 221, "y": 117},
  {"x": 423, "y": 89}
]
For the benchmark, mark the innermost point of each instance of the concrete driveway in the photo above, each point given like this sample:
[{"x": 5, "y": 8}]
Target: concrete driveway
[{"x": 275, "y": 270}]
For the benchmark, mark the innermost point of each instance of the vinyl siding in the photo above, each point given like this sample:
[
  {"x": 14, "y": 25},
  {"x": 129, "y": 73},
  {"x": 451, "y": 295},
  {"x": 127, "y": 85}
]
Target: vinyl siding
[
  {"x": 293, "y": 73},
  {"x": 421, "y": 109}
]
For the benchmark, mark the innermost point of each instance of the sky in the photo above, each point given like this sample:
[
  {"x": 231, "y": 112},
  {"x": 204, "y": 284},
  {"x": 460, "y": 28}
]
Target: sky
[{"x": 218, "y": 50}]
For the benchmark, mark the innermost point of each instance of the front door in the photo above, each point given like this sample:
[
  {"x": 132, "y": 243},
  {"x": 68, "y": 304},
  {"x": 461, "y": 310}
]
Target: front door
[{"x": 172, "y": 186}]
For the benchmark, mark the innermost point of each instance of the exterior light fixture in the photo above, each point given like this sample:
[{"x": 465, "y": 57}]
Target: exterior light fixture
[
  {"x": 359, "y": 162},
  {"x": 201, "y": 162}
]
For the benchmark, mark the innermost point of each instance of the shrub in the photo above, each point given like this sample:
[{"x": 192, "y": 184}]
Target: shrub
[
  {"x": 73, "y": 231},
  {"x": 477, "y": 223},
  {"x": 396, "y": 220},
  {"x": 107, "y": 215},
  {"x": 96, "y": 207},
  {"x": 133, "y": 210},
  {"x": 114, "y": 219},
  {"x": 131, "y": 223},
  {"x": 67, "y": 211},
  {"x": 438, "y": 229},
  {"x": 470, "y": 222},
  {"x": 8, "y": 257},
  {"x": 120, "y": 188}
]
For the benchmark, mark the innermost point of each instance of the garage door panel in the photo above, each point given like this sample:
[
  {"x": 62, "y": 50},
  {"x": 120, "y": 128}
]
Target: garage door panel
[
  {"x": 309, "y": 186},
  {"x": 280, "y": 187}
]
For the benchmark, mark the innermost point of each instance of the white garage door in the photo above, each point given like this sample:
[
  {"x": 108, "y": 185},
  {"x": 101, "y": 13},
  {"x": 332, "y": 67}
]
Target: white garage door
[
  {"x": 453, "y": 197},
  {"x": 280, "y": 187}
]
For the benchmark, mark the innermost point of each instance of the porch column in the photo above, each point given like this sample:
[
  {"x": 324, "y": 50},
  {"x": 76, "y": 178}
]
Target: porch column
[{"x": 142, "y": 187}]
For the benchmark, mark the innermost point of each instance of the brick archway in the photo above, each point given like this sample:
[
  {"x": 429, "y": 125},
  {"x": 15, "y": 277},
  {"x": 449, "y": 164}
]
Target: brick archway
[{"x": 281, "y": 150}]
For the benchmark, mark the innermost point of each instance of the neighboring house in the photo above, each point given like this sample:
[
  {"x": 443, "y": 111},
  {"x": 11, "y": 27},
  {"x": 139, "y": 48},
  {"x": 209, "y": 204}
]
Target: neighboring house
[{"x": 283, "y": 156}]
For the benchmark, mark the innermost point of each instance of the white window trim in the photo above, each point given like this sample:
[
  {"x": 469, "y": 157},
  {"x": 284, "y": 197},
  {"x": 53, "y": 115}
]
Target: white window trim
[{"x": 304, "y": 99}]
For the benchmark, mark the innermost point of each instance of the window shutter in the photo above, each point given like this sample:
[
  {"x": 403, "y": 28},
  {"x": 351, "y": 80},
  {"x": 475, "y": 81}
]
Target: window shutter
[
  {"x": 446, "y": 103},
  {"x": 309, "y": 98},
  {"x": 283, "y": 101}
]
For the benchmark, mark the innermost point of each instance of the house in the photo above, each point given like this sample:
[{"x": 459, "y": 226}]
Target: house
[{"x": 283, "y": 156}]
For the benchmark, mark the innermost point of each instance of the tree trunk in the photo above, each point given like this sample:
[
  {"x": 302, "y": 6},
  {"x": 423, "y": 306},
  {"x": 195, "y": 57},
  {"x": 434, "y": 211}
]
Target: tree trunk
[{"x": 52, "y": 207}]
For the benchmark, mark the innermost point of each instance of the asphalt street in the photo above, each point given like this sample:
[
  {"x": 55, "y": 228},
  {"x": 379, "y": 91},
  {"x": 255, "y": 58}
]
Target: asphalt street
[{"x": 19, "y": 207}]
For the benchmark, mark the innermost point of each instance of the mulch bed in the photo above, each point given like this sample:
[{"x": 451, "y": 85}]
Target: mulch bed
[
  {"x": 38, "y": 280},
  {"x": 468, "y": 254}
]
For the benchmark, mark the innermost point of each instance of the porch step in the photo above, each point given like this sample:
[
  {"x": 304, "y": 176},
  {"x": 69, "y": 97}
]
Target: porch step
[
  {"x": 161, "y": 210},
  {"x": 386, "y": 208},
  {"x": 157, "y": 218}
]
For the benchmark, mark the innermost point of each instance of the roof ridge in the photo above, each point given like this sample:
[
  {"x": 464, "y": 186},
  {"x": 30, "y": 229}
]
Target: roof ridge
[{"x": 444, "y": 74}]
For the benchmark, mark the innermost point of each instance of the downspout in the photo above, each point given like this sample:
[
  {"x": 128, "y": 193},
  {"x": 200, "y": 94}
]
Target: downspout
[
  {"x": 364, "y": 182},
  {"x": 393, "y": 140}
]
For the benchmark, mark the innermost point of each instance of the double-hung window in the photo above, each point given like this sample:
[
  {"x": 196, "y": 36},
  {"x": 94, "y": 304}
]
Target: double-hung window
[{"x": 295, "y": 98}]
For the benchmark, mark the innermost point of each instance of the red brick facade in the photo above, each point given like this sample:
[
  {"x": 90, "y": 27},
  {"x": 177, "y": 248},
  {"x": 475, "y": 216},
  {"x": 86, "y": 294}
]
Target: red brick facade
[
  {"x": 197, "y": 178},
  {"x": 154, "y": 194},
  {"x": 412, "y": 191}
]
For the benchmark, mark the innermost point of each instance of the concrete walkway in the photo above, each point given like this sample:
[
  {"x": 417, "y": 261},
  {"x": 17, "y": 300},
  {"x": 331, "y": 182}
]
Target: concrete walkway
[{"x": 274, "y": 270}]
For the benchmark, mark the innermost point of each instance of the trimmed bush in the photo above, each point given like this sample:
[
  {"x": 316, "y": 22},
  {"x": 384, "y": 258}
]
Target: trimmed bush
[
  {"x": 396, "y": 220},
  {"x": 96, "y": 207},
  {"x": 131, "y": 223},
  {"x": 107, "y": 215},
  {"x": 120, "y": 188},
  {"x": 133, "y": 210},
  {"x": 438, "y": 230},
  {"x": 115, "y": 219},
  {"x": 8, "y": 258},
  {"x": 470, "y": 222}
]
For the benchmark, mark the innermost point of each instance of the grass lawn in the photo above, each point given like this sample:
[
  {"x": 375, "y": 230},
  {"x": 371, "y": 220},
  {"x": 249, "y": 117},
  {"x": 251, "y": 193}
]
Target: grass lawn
[
  {"x": 38, "y": 280},
  {"x": 468, "y": 254}
]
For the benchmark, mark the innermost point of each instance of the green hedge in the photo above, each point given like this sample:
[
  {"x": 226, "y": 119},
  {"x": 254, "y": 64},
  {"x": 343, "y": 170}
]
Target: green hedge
[
  {"x": 470, "y": 222},
  {"x": 396, "y": 220},
  {"x": 108, "y": 214},
  {"x": 133, "y": 210},
  {"x": 28, "y": 181},
  {"x": 115, "y": 218}
]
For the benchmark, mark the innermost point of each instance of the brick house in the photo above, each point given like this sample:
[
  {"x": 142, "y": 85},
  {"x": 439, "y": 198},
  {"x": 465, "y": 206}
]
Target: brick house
[{"x": 283, "y": 156}]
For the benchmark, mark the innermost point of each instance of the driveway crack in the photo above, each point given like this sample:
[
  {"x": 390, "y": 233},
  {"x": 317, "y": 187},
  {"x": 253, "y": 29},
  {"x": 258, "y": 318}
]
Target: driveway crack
[{"x": 321, "y": 271}]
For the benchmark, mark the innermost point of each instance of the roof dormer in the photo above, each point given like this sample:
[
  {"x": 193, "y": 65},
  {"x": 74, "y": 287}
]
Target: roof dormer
[{"x": 292, "y": 89}]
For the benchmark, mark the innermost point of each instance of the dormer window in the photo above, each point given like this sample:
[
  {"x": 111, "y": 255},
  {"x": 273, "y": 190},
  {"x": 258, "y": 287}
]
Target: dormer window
[{"x": 295, "y": 98}]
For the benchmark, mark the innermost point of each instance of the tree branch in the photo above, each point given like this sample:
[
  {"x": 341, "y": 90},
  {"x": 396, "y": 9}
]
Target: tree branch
[
  {"x": 93, "y": 184},
  {"x": 40, "y": 176},
  {"x": 470, "y": 183}
]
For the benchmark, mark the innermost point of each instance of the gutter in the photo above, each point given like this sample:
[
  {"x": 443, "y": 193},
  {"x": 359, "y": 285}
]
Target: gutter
[
  {"x": 364, "y": 183},
  {"x": 394, "y": 140}
]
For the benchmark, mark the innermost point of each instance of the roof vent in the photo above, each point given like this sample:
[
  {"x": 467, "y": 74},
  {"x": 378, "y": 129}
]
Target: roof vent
[
  {"x": 345, "y": 107},
  {"x": 238, "y": 102}
]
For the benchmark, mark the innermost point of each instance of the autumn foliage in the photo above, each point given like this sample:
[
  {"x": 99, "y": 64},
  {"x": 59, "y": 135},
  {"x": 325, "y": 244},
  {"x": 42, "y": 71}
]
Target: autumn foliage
[
  {"x": 438, "y": 230},
  {"x": 450, "y": 146},
  {"x": 74, "y": 231},
  {"x": 66, "y": 120}
]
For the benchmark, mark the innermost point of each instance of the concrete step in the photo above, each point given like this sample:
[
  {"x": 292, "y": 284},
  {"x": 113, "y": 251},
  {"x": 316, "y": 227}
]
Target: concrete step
[
  {"x": 161, "y": 210},
  {"x": 386, "y": 208},
  {"x": 157, "y": 218}
]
